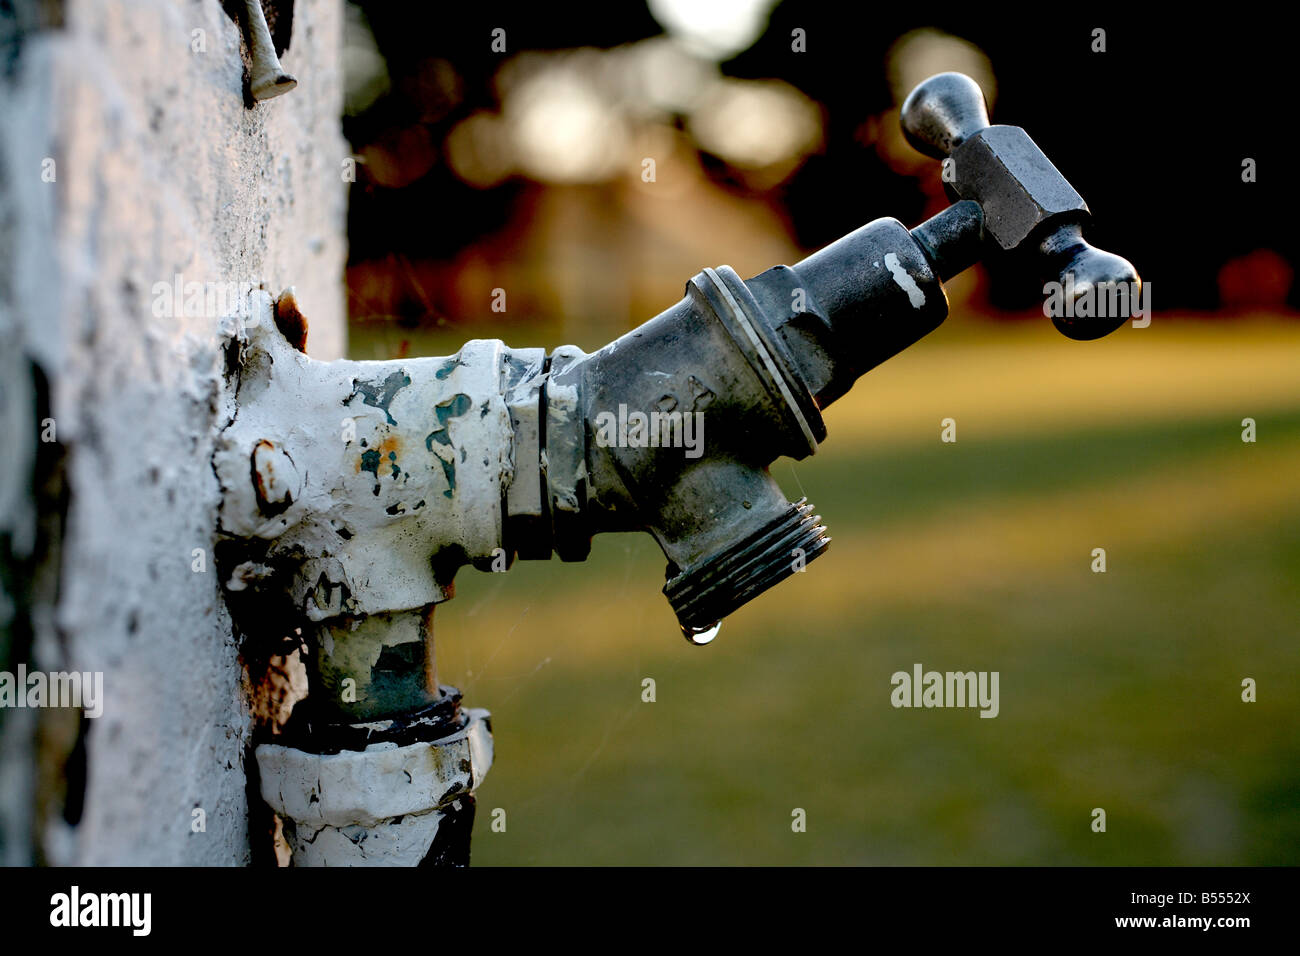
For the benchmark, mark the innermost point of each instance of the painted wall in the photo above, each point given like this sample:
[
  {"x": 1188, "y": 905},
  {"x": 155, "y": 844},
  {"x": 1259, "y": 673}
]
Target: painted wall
[{"x": 128, "y": 157}]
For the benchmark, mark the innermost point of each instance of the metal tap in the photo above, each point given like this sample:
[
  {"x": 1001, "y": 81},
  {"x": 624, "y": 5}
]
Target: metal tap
[{"x": 354, "y": 491}]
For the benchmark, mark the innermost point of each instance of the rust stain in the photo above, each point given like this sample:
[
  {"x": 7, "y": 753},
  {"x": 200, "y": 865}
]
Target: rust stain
[
  {"x": 257, "y": 475},
  {"x": 387, "y": 451},
  {"x": 290, "y": 320}
]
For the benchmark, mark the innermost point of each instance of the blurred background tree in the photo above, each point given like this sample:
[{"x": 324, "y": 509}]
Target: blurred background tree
[{"x": 515, "y": 159}]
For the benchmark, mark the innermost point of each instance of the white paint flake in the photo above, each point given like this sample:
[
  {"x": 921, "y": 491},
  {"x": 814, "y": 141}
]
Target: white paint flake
[{"x": 904, "y": 280}]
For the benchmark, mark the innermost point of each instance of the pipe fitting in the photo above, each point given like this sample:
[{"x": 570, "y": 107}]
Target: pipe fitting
[
  {"x": 387, "y": 803},
  {"x": 750, "y": 365},
  {"x": 352, "y": 492},
  {"x": 372, "y": 667},
  {"x": 372, "y": 483}
]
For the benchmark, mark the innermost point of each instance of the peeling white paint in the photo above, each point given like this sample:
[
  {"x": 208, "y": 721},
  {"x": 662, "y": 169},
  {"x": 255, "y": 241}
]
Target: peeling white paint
[
  {"x": 154, "y": 179},
  {"x": 904, "y": 280},
  {"x": 382, "y": 804},
  {"x": 397, "y": 460}
]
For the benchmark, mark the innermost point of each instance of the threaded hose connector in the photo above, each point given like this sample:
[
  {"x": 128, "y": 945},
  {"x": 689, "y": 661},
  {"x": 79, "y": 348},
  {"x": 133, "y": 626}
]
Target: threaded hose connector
[{"x": 704, "y": 594}]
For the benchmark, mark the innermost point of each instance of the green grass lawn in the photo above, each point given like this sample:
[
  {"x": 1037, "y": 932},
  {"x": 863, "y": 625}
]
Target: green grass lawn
[{"x": 1119, "y": 690}]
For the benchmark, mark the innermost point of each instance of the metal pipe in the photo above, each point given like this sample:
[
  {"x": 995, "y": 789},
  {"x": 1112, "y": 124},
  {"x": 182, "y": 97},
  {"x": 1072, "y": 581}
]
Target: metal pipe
[{"x": 352, "y": 492}]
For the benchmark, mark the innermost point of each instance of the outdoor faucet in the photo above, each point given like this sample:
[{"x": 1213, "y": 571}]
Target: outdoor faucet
[{"x": 354, "y": 491}]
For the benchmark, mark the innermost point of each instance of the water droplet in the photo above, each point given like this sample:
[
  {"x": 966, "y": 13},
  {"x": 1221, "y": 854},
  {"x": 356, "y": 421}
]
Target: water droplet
[{"x": 699, "y": 636}]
